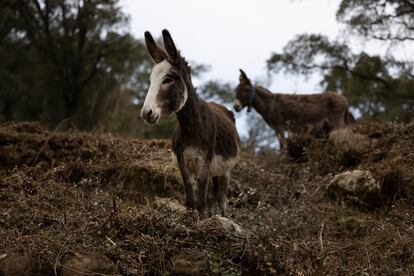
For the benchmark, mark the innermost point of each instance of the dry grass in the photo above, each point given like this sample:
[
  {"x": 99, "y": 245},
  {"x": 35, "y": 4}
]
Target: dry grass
[{"x": 65, "y": 194}]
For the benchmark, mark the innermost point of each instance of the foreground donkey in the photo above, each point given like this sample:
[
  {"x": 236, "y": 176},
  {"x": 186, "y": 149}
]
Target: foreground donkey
[
  {"x": 205, "y": 141},
  {"x": 297, "y": 113}
]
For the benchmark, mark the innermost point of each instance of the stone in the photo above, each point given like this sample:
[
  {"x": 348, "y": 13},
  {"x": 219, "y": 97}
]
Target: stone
[
  {"x": 190, "y": 262},
  {"x": 80, "y": 264},
  {"x": 224, "y": 225},
  {"x": 355, "y": 186},
  {"x": 169, "y": 204}
]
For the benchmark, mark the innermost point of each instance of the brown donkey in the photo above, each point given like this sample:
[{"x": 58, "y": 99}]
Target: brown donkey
[
  {"x": 205, "y": 142},
  {"x": 295, "y": 113}
]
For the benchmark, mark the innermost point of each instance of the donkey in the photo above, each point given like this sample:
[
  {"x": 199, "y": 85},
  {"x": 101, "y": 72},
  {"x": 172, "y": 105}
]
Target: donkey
[
  {"x": 309, "y": 114},
  {"x": 205, "y": 142}
]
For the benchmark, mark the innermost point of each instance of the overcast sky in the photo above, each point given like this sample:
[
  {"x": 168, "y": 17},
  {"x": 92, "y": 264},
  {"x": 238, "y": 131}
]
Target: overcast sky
[{"x": 233, "y": 34}]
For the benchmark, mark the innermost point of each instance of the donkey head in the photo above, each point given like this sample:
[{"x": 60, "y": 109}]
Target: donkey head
[
  {"x": 167, "y": 93},
  {"x": 244, "y": 93}
]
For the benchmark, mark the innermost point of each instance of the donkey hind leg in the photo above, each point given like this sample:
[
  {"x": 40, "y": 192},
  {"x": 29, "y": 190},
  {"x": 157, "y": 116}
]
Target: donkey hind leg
[
  {"x": 282, "y": 140},
  {"x": 224, "y": 183},
  {"x": 338, "y": 122},
  {"x": 213, "y": 191}
]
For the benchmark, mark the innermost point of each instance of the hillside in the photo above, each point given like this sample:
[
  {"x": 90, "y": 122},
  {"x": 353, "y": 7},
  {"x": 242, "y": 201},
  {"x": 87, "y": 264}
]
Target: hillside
[{"x": 74, "y": 203}]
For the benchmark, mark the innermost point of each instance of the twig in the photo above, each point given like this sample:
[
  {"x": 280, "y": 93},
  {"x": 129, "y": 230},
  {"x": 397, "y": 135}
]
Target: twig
[
  {"x": 110, "y": 240},
  {"x": 246, "y": 244},
  {"x": 320, "y": 236},
  {"x": 106, "y": 221},
  {"x": 114, "y": 204},
  {"x": 59, "y": 255},
  {"x": 48, "y": 219},
  {"x": 142, "y": 264},
  {"x": 113, "y": 212},
  {"x": 369, "y": 260},
  {"x": 194, "y": 243}
]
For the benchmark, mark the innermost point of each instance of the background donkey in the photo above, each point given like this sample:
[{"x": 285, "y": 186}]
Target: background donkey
[
  {"x": 296, "y": 113},
  {"x": 205, "y": 141}
]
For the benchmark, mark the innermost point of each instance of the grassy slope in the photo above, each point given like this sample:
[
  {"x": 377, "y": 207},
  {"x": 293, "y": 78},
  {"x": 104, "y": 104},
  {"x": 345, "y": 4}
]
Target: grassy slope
[{"x": 68, "y": 193}]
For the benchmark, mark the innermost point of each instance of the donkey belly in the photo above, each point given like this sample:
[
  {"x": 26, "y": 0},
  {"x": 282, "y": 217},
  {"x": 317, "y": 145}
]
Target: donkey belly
[
  {"x": 194, "y": 161},
  {"x": 220, "y": 166}
]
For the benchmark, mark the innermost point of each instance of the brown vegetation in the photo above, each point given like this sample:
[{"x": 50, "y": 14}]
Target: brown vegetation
[{"x": 75, "y": 201}]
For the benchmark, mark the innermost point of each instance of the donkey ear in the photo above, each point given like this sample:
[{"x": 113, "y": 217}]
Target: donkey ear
[
  {"x": 170, "y": 46},
  {"x": 156, "y": 52},
  {"x": 243, "y": 77}
]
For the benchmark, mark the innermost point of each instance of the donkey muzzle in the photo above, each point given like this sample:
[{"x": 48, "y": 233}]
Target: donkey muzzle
[
  {"x": 149, "y": 116},
  {"x": 237, "y": 105}
]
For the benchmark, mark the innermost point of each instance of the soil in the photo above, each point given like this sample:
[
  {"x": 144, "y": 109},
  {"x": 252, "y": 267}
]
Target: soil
[{"x": 75, "y": 203}]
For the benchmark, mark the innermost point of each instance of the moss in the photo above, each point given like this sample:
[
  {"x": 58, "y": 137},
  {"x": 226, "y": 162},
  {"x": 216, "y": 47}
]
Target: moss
[{"x": 352, "y": 225}]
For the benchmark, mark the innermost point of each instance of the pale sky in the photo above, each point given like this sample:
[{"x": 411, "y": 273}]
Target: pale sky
[{"x": 233, "y": 34}]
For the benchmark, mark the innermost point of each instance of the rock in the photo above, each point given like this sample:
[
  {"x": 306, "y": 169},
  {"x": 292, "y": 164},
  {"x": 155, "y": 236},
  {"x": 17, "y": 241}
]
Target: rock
[
  {"x": 17, "y": 265},
  {"x": 346, "y": 140},
  {"x": 190, "y": 262},
  {"x": 24, "y": 265},
  {"x": 80, "y": 264},
  {"x": 169, "y": 204},
  {"x": 355, "y": 186},
  {"x": 223, "y": 225}
]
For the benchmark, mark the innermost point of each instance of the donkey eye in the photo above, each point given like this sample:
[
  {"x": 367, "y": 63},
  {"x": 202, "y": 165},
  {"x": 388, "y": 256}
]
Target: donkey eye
[{"x": 167, "y": 80}]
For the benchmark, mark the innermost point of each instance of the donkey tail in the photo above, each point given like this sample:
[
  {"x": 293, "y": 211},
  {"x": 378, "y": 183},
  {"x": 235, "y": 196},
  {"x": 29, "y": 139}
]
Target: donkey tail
[{"x": 349, "y": 118}]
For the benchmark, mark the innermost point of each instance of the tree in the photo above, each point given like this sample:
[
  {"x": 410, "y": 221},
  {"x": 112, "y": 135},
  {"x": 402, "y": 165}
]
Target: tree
[
  {"x": 75, "y": 53},
  {"x": 217, "y": 91},
  {"x": 385, "y": 20},
  {"x": 377, "y": 86}
]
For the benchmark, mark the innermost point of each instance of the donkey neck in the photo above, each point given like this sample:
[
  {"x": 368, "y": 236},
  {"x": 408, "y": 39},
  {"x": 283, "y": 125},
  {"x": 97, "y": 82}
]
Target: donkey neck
[
  {"x": 261, "y": 100},
  {"x": 188, "y": 116}
]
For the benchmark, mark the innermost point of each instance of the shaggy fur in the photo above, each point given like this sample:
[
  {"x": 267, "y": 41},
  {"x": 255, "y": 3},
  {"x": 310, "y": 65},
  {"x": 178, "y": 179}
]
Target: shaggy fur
[{"x": 205, "y": 141}]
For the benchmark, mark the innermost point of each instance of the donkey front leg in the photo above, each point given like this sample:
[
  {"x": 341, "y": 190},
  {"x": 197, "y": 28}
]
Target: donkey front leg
[
  {"x": 213, "y": 195},
  {"x": 202, "y": 192},
  {"x": 280, "y": 133},
  {"x": 189, "y": 181}
]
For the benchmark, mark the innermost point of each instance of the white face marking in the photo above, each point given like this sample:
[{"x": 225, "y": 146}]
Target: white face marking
[{"x": 157, "y": 76}]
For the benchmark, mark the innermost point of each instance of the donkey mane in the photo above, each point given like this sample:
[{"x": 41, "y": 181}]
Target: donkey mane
[{"x": 184, "y": 64}]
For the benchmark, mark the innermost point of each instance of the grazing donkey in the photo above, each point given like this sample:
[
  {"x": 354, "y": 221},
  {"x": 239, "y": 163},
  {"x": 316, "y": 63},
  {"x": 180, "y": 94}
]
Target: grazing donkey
[
  {"x": 205, "y": 141},
  {"x": 296, "y": 113}
]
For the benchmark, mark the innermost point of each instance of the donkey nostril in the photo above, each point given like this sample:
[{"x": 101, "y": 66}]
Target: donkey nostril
[{"x": 150, "y": 112}]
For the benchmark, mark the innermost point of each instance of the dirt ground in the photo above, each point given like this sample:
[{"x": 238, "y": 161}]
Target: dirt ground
[{"x": 74, "y": 203}]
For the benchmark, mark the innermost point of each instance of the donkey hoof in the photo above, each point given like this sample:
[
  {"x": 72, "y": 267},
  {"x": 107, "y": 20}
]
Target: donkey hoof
[{"x": 190, "y": 204}]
